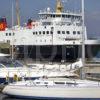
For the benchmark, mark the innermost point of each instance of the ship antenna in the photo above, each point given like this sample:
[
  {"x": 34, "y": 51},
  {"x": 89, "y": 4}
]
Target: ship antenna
[
  {"x": 17, "y": 13},
  {"x": 59, "y": 7}
]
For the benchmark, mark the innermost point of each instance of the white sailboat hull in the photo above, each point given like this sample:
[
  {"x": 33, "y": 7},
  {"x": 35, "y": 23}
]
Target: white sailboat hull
[{"x": 52, "y": 92}]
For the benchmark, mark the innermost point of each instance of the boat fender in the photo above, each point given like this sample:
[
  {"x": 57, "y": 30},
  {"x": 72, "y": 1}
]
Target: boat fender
[
  {"x": 15, "y": 78},
  {"x": 7, "y": 78},
  {"x": 76, "y": 66}
]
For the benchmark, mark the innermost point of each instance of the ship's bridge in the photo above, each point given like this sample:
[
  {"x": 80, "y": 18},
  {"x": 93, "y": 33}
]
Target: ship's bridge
[
  {"x": 67, "y": 15},
  {"x": 67, "y": 18},
  {"x": 60, "y": 15}
]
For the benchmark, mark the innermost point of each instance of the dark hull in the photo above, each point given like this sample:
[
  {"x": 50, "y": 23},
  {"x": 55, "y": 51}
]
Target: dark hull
[
  {"x": 56, "y": 52},
  {"x": 49, "y": 53}
]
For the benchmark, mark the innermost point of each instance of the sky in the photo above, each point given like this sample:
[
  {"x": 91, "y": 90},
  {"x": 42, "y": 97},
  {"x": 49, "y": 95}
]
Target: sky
[{"x": 31, "y": 8}]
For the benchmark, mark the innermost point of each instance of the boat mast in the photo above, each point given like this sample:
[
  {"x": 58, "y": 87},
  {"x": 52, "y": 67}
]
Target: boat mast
[
  {"x": 83, "y": 41},
  {"x": 12, "y": 46},
  {"x": 12, "y": 10},
  {"x": 83, "y": 35}
]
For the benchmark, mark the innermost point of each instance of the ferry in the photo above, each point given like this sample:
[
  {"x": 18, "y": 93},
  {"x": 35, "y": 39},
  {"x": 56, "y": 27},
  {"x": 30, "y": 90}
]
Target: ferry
[{"x": 56, "y": 35}]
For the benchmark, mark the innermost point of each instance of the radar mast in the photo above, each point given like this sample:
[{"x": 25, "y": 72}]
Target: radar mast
[{"x": 59, "y": 7}]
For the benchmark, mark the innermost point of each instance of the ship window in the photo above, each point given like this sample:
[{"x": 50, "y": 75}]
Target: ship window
[
  {"x": 63, "y": 16},
  {"x": 50, "y": 15},
  {"x": 58, "y": 15},
  {"x": 37, "y": 82},
  {"x": 63, "y": 32},
  {"x": 33, "y": 33},
  {"x": 51, "y": 32},
  {"x": 58, "y": 32},
  {"x": 13, "y": 34},
  {"x": 36, "y": 33},
  {"x": 6, "y": 34},
  {"x": 43, "y": 32},
  {"x": 39, "y": 32},
  {"x": 9, "y": 34},
  {"x": 67, "y": 32},
  {"x": 52, "y": 28},
  {"x": 66, "y": 16},
  {"x": 47, "y": 32},
  {"x": 53, "y": 16},
  {"x": 45, "y": 82},
  {"x": 69, "y": 16},
  {"x": 8, "y": 41},
  {"x": 74, "y": 32},
  {"x": 46, "y": 23},
  {"x": 78, "y": 32},
  {"x": 59, "y": 83}
]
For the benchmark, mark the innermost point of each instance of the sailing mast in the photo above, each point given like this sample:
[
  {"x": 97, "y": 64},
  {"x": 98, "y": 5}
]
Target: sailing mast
[
  {"x": 83, "y": 41},
  {"x": 12, "y": 46}
]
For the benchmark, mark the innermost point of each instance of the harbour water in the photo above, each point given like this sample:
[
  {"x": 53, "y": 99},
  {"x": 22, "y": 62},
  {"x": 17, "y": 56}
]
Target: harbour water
[{"x": 4, "y": 97}]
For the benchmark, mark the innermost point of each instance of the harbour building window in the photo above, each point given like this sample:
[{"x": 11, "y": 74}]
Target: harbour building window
[
  {"x": 67, "y": 32},
  {"x": 63, "y": 32},
  {"x": 58, "y": 32},
  {"x": 74, "y": 32}
]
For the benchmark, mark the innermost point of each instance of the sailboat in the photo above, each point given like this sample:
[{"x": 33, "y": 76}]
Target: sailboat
[{"x": 56, "y": 88}]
